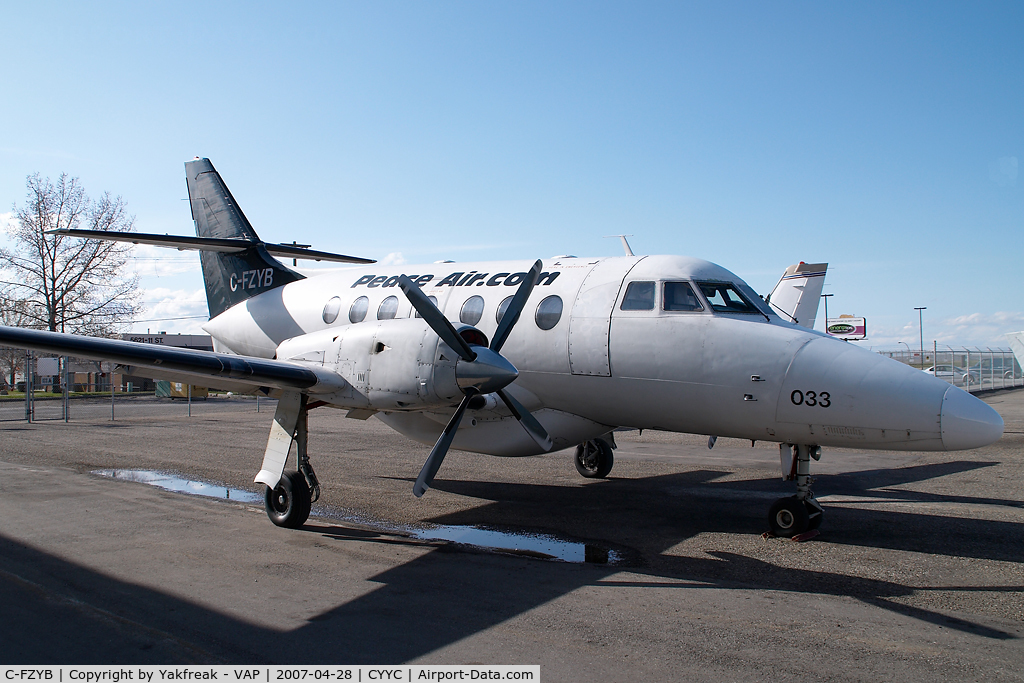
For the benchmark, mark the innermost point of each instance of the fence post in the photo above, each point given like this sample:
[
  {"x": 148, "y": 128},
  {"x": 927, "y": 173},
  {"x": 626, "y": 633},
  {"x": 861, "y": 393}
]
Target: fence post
[
  {"x": 28, "y": 386},
  {"x": 967, "y": 364},
  {"x": 66, "y": 397}
]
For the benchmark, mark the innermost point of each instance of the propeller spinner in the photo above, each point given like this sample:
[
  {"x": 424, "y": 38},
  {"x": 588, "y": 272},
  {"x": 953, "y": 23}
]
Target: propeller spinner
[{"x": 480, "y": 370}]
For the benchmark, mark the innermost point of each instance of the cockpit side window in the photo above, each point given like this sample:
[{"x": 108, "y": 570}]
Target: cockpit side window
[
  {"x": 724, "y": 297},
  {"x": 679, "y": 296},
  {"x": 639, "y": 297}
]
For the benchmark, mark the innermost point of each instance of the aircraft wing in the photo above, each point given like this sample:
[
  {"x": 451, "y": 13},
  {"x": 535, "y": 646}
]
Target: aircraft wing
[{"x": 174, "y": 363}]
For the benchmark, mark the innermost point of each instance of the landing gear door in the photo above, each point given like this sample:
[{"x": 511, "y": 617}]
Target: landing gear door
[{"x": 591, "y": 315}]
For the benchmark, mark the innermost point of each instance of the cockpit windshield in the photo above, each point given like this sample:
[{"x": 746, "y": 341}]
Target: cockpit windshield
[{"x": 724, "y": 297}]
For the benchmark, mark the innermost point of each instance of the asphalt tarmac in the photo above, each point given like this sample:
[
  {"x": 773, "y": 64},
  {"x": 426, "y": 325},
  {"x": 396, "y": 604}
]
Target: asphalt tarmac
[{"x": 918, "y": 572}]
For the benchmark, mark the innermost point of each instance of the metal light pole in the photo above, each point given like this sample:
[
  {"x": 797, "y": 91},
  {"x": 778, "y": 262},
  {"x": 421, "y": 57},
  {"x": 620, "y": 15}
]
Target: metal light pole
[
  {"x": 910, "y": 356},
  {"x": 825, "y": 297},
  {"x": 920, "y": 324}
]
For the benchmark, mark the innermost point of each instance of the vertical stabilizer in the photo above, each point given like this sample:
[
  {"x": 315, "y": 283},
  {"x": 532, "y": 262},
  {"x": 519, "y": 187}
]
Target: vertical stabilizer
[
  {"x": 230, "y": 276},
  {"x": 798, "y": 292}
]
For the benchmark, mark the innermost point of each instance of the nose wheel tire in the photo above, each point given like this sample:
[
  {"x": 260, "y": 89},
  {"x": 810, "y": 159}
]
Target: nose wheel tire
[
  {"x": 789, "y": 517},
  {"x": 594, "y": 459},
  {"x": 288, "y": 504}
]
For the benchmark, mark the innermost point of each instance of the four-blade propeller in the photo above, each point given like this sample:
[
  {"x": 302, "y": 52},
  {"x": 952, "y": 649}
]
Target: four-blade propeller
[{"x": 480, "y": 370}]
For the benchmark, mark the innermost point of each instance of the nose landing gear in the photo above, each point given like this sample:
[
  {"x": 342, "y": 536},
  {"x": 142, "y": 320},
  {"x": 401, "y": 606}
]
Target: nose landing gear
[{"x": 792, "y": 516}]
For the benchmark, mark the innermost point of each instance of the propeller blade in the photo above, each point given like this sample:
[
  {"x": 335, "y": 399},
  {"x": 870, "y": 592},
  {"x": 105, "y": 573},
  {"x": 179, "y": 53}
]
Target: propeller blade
[
  {"x": 529, "y": 422},
  {"x": 440, "y": 450},
  {"x": 444, "y": 329},
  {"x": 515, "y": 307}
]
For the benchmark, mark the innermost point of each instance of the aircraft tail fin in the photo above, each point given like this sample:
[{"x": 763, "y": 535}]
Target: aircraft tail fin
[
  {"x": 798, "y": 292},
  {"x": 230, "y": 277}
]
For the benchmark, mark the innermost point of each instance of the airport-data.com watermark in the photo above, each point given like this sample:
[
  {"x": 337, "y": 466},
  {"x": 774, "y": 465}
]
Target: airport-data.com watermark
[{"x": 271, "y": 674}]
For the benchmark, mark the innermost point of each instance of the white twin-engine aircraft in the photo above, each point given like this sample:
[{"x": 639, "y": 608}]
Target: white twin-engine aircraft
[{"x": 515, "y": 358}]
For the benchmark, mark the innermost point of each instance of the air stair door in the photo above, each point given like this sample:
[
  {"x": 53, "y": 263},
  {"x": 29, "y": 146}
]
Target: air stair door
[{"x": 590, "y": 319}]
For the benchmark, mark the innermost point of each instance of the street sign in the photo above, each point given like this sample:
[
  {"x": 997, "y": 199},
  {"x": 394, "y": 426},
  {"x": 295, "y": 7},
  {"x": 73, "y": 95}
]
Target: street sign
[{"x": 847, "y": 327}]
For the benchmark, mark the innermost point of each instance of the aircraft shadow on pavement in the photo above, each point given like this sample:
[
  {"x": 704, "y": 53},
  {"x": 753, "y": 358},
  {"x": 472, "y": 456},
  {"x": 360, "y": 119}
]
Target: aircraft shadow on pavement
[
  {"x": 60, "y": 612},
  {"x": 652, "y": 514},
  {"x": 57, "y": 611}
]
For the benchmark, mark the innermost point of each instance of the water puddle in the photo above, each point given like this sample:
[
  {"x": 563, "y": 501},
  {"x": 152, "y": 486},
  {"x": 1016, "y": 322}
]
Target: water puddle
[
  {"x": 541, "y": 546},
  {"x": 530, "y": 545},
  {"x": 170, "y": 482}
]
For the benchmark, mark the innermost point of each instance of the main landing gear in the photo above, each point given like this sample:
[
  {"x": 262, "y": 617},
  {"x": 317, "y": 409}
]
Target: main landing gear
[
  {"x": 797, "y": 514},
  {"x": 289, "y": 501},
  {"x": 594, "y": 458}
]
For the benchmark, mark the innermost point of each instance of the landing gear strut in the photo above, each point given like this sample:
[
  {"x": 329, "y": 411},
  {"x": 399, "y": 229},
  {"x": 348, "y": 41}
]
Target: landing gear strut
[
  {"x": 594, "y": 459},
  {"x": 797, "y": 514},
  {"x": 289, "y": 495}
]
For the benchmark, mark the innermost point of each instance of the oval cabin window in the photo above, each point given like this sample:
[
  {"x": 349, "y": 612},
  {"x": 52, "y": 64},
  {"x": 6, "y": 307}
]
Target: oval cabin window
[
  {"x": 357, "y": 312},
  {"x": 502, "y": 307},
  {"x": 331, "y": 310},
  {"x": 472, "y": 310},
  {"x": 388, "y": 308},
  {"x": 549, "y": 312},
  {"x": 416, "y": 314}
]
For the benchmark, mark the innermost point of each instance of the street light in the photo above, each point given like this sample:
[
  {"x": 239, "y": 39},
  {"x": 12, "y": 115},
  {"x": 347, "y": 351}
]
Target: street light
[
  {"x": 825, "y": 297},
  {"x": 920, "y": 324},
  {"x": 910, "y": 356}
]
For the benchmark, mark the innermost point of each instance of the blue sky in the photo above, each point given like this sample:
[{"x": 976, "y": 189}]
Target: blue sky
[{"x": 883, "y": 138}]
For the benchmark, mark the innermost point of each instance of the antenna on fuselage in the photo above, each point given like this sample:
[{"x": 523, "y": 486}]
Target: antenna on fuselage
[{"x": 625, "y": 244}]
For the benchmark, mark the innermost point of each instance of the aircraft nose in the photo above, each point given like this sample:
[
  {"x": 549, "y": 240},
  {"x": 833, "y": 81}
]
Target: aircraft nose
[{"x": 967, "y": 421}]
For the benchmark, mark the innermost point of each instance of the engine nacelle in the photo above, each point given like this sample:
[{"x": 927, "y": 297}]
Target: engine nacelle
[{"x": 388, "y": 364}]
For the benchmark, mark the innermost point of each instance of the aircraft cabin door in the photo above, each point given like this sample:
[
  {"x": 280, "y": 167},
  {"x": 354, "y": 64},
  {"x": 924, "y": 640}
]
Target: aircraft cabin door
[{"x": 591, "y": 316}]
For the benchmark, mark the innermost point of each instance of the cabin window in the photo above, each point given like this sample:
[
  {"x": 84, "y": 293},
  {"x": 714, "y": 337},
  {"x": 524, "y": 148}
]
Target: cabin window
[
  {"x": 549, "y": 312},
  {"x": 331, "y": 310},
  {"x": 679, "y": 296},
  {"x": 639, "y": 297},
  {"x": 502, "y": 307},
  {"x": 725, "y": 298},
  {"x": 388, "y": 308},
  {"x": 472, "y": 310},
  {"x": 416, "y": 314},
  {"x": 357, "y": 312}
]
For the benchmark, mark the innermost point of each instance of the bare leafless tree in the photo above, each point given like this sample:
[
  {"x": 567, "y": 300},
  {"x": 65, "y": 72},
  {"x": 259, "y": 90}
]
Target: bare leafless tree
[
  {"x": 69, "y": 284},
  {"x": 12, "y": 312}
]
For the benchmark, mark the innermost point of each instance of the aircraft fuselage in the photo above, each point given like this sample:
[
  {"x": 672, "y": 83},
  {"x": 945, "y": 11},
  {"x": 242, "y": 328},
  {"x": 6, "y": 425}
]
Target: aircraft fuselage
[{"x": 590, "y": 361}]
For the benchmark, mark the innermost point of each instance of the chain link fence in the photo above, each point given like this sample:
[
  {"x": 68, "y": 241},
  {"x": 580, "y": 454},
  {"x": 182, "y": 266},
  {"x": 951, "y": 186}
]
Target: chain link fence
[
  {"x": 971, "y": 368},
  {"x": 37, "y": 389},
  {"x": 46, "y": 388}
]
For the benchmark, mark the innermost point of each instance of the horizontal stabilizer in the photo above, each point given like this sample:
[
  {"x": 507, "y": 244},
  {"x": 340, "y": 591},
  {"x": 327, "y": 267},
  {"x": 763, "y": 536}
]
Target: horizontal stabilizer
[
  {"x": 224, "y": 245},
  {"x": 247, "y": 370}
]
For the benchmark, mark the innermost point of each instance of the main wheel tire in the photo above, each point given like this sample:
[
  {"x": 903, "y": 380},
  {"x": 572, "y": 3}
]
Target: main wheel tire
[
  {"x": 594, "y": 459},
  {"x": 289, "y": 503},
  {"x": 788, "y": 517}
]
